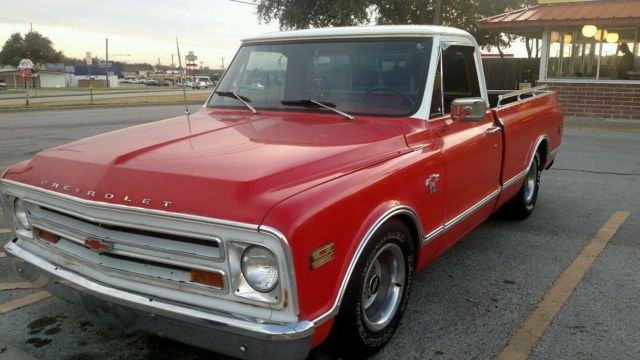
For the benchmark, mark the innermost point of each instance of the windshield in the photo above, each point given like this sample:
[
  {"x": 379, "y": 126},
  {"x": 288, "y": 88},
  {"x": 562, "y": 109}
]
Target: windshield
[{"x": 374, "y": 77}]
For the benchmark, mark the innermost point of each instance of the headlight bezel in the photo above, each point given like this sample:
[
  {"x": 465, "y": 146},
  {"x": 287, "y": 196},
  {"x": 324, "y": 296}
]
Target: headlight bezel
[
  {"x": 239, "y": 284},
  {"x": 21, "y": 214}
]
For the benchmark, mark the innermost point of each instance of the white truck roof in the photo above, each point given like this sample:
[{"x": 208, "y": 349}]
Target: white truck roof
[{"x": 361, "y": 32}]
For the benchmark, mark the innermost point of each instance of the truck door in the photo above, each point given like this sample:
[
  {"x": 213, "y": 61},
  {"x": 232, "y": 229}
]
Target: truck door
[{"x": 472, "y": 150}]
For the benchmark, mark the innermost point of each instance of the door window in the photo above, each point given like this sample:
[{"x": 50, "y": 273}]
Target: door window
[{"x": 459, "y": 75}]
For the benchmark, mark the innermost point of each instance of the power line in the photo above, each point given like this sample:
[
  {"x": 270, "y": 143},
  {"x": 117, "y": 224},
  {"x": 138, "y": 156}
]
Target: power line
[{"x": 245, "y": 2}]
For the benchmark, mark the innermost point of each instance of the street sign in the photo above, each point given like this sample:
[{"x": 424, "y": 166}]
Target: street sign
[
  {"x": 191, "y": 57},
  {"x": 25, "y": 64},
  {"x": 103, "y": 63},
  {"x": 88, "y": 58}
]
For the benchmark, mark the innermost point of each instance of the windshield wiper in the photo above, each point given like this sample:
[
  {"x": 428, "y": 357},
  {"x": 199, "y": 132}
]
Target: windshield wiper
[
  {"x": 243, "y": 99},
  {"x": 315, "y": 104}
]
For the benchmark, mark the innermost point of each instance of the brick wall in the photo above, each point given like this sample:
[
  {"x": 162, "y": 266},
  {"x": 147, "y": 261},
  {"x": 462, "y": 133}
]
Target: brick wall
[{"x": 599, "y": 101}]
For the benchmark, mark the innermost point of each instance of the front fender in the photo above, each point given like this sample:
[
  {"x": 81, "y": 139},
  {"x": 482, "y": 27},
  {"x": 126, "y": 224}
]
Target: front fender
[{"x": 345, "y": 211}]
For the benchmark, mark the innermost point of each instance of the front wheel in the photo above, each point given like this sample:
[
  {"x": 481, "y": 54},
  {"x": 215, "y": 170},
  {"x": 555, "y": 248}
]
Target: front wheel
[
  {"x": 522, "y": 205},
  {"x": 377, "y": 295}
]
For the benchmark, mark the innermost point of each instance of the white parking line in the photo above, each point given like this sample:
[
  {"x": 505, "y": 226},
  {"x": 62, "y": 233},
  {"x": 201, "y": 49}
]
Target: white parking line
[
  {"x": 23, "y": 301},
  {"x": 16, "y": 286}
]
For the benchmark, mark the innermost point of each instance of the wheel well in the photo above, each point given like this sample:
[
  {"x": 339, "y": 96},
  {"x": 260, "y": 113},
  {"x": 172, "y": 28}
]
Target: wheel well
[
  {"x": 414, "y": 229},
  {"x": 543, "y": 150}
]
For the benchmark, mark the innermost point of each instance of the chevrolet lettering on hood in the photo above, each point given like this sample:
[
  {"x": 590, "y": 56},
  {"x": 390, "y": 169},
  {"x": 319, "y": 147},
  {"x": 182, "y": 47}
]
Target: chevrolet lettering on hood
[{"x": 92, "y": 193}]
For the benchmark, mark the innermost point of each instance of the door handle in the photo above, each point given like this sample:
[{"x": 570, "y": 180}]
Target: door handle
[{"x": 493, "y": 130}]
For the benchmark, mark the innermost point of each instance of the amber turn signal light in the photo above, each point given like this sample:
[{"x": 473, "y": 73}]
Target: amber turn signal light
[
  {"x": 209, "y": 278},
  {"x": 47, "y": 236}
]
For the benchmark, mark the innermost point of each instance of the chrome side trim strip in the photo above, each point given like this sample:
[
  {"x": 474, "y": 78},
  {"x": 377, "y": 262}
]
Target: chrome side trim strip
[
  {"x": 470, "y": 211},
  {"x": 432, "y": 235},
  {"x": 509, "y": 183},
  {"x": 104, "y": 205},
  {"x": 402, "y": 209}
]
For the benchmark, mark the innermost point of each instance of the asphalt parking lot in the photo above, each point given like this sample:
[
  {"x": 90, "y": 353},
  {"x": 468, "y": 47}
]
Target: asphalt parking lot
[{"x": 469, "y": 304}]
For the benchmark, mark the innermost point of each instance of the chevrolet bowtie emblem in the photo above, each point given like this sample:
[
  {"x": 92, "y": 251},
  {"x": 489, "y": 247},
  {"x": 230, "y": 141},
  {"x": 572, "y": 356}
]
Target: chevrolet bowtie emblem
[{"x": 98, "y": 245}]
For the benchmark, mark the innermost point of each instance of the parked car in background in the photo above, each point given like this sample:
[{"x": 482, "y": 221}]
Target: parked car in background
[
  {"x": 202, "y": 84},
  {"x": 3, "y": 85},
  {"x": 296, "y": 205}
]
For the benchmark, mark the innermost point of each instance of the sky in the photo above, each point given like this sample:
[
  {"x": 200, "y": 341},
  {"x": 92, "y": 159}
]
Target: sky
[{"x": 145, "y": 30}]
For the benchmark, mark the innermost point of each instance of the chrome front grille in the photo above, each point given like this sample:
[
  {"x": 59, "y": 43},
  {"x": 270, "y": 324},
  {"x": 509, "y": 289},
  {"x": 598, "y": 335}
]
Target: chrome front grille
[{"x": 155, "y": 247}]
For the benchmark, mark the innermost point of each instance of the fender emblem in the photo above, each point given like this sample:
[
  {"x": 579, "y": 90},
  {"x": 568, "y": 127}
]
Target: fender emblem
[
  {"x": 98, "y": 245},
  {"x": 432, "y": 182}
]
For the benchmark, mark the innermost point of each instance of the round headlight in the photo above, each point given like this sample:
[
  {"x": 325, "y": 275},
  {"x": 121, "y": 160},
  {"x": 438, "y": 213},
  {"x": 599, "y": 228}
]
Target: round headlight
[
  {"x": 20, "y": 213},
  {"x": 260, "y": 268}
]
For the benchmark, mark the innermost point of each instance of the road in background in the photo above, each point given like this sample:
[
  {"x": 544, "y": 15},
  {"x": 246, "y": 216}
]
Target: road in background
[
  {"x": 22, "y": 134},
  {"x": 466, "y": 305}
]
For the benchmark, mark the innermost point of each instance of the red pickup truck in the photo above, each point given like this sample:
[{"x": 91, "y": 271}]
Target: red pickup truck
[{"x": 294, "y": 208}]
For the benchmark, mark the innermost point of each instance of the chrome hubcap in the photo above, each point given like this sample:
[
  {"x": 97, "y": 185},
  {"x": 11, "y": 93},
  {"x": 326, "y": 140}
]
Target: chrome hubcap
[
  {"x": 383, "y": 286},
  {"x": 530, "y": 183}
]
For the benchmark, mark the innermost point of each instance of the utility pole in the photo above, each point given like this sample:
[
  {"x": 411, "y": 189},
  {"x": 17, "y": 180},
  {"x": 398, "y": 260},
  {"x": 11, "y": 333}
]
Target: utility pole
[
  {"x": 107, "y": 67},
  {"x": 437, "y": 12},
  {"x": 223, "y": 64}
]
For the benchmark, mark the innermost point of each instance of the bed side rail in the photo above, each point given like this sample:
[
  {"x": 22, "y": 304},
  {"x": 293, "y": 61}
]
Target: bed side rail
[{"x": 527, "y": 93}]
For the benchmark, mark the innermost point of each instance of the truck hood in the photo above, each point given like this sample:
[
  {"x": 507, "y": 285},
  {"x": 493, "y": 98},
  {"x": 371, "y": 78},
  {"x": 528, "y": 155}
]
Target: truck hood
[{"x": 224, "y": 164}]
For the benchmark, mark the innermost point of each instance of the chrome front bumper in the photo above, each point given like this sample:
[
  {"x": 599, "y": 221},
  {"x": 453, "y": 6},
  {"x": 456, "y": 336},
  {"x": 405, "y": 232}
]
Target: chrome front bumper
[{"x": 222, "y": 333}]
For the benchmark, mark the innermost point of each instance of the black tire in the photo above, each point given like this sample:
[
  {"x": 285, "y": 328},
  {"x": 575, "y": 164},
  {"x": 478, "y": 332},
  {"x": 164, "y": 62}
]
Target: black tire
[
  {"x": 523, "y": 204},
  {"x": 373, "y": 305}
]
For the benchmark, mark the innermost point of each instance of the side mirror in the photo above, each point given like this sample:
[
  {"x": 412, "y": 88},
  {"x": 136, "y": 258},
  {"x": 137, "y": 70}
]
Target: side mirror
[{"x": 468, "y": 109}]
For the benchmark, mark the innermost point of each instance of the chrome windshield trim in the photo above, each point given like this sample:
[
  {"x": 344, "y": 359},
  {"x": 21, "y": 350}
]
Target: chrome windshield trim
[
  {"x": 470, "y": 211},
  {"x": 267, "y": 331},
  {"x": 132, "y": 209},
  {"x": 401, "y": 209}
]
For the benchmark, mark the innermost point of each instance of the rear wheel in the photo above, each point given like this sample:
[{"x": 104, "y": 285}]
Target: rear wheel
[
  {"x": 377, "y": 294},
  {"x": 522, "y": 205}
]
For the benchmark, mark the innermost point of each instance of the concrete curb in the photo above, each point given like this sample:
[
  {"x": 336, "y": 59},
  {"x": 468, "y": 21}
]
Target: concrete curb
[
  {"x": 604, "y": 124},
  {"x": 10, "y": 352},
  {"x": 99, "y": 106}
]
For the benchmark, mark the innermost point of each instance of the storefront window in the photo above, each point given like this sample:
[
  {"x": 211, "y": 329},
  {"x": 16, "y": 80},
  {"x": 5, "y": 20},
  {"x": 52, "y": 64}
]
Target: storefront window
[{"x": 608, "y": 54}]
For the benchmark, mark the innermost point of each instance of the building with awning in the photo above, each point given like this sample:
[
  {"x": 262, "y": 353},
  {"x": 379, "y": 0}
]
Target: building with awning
[{"x": 590, "y": 53}]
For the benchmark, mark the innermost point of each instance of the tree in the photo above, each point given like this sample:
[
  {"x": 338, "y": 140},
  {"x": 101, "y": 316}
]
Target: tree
[
  {"x": 464, "y": 14},
  {"x": 33, "y": 45}
]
